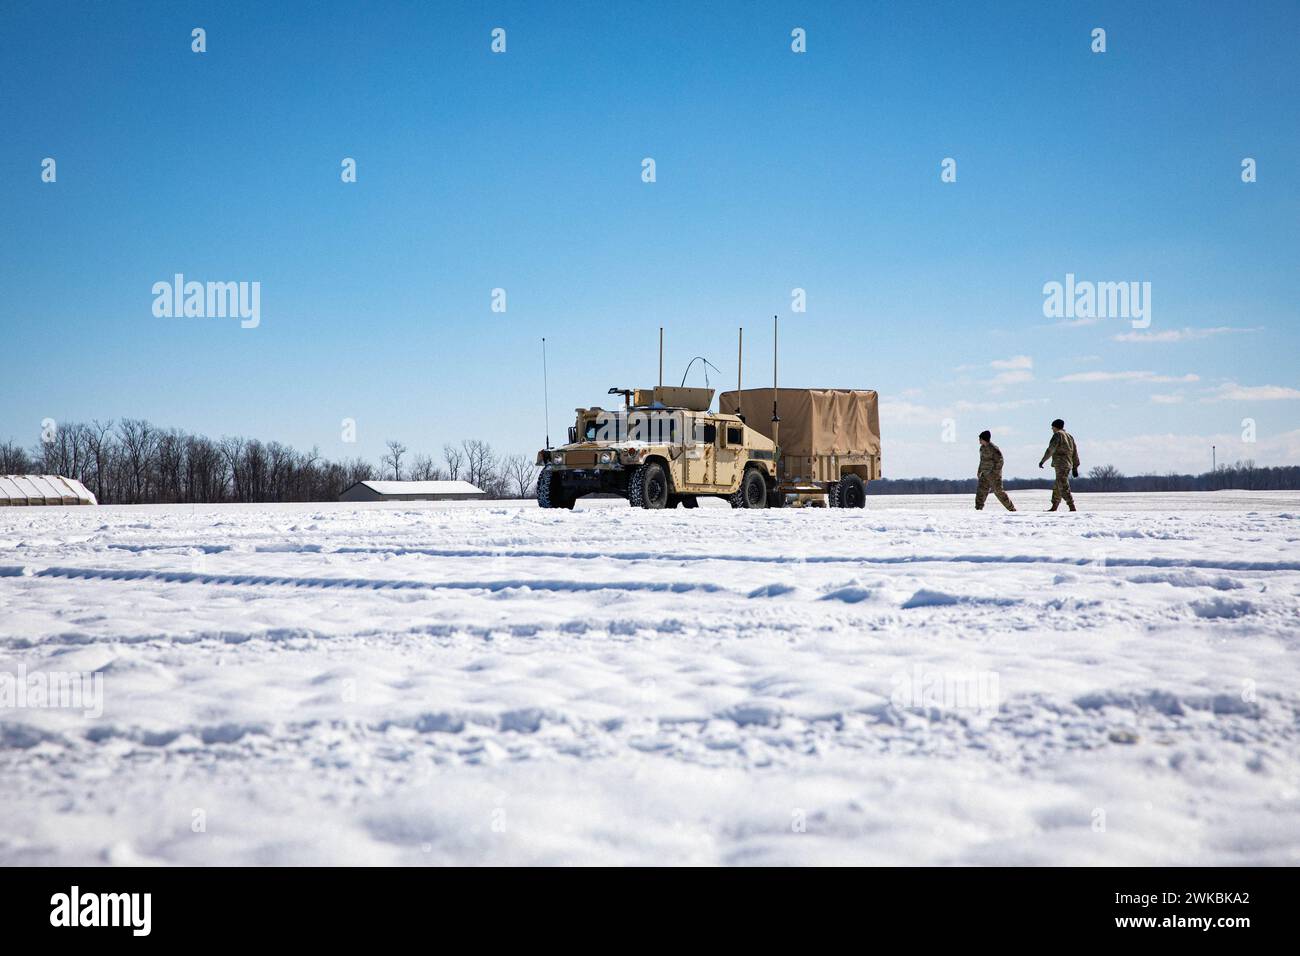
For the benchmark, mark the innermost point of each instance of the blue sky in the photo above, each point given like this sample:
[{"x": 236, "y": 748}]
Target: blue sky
[{"x": 775, "y": 171}]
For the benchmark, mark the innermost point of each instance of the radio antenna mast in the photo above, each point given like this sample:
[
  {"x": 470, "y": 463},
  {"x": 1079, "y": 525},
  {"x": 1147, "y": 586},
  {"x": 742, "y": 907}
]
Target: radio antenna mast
[
  {"x": 740, "y": 361},
  {"x": 546, "y": 394},
  {"x": 661, "y": 356},
  {"x": 776, "y": 419}
]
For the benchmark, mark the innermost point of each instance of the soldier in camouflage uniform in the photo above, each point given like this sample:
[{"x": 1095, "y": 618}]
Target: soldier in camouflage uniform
[
  {"x": 990, "y": 474},
  {"x": 1065, "y": 459}
]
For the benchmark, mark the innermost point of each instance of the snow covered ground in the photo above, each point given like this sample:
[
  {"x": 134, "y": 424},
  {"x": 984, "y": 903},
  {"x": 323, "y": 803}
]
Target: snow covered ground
[{"x": 491, "y": 683}]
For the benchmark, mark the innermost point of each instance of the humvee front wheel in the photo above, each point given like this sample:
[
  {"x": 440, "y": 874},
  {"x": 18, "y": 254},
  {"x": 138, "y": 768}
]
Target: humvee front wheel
[
  {"x": 551, "y": 492},
  {"x": 648, "y": 487},
  {"x": 752, "y": 492}
]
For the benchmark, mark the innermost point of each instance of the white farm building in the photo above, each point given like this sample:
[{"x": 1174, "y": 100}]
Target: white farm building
[
  {"x": 412, "y": 491},
  {"x": 43, "y": 490}
]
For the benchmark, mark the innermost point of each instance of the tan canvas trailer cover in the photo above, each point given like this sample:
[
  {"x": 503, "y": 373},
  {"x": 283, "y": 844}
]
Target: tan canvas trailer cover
[{"x": 824, "y": 431}]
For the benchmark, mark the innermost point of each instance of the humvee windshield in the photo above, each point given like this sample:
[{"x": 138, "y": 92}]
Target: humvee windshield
[{"x": 653, "y": 427}]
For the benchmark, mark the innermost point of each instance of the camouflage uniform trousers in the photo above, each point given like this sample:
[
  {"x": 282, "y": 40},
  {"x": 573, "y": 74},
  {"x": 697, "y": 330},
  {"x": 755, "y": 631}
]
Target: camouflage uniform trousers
[
  {"x": 992, "y": 482},
  {"x": 1061, "y": 489}
]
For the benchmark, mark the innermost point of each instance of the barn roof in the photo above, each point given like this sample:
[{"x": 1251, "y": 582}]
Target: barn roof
[
  {"x": 422, "y": 487},
  {"x": 43, "y": 489}
]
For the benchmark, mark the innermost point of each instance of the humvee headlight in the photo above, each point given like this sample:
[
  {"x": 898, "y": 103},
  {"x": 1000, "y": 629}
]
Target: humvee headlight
[{"x": 606, "y": 457}]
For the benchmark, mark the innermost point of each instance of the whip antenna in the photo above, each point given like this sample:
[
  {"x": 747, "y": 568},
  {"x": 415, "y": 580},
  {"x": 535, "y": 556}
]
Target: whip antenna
[
  {"x": 546, "y": 395},
  {"x": 707, "y": 365},
  {"x": 661, "y": 356},
  {"x": 740, "y": 361},
  {"x": 776, "y": 419}
]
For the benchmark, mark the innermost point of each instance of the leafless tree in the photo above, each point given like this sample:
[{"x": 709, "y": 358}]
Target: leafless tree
[
  {"x": 101, "y": 453},
  {"x": 232, "y": 450},
  {"x": 14, "y": 459},
  {"x": 168, "y": 466},
  {"x": 137, "y": 439},
  {"x": 281, "y": 461},
  {"x": 480, "y": 462},
  {"x": 358, "y": 469},
  {"x": 520, "y": 475},
  {"x": 423, "y": 468},
  {"x": 255, "y": 470},
  {"x": 455, "y": 460},
  {"x": 394, "y": 458},
  {"x": 1105, "y": 478}
]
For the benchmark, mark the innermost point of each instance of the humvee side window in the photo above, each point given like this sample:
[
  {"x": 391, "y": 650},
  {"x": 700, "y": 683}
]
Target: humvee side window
[
  {"x": 710, "y": 433},
  {"x": 733, "y": 436}
]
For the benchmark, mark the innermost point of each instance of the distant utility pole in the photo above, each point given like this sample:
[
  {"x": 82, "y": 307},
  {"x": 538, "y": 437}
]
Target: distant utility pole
[{"x": 1214, "y": 459}]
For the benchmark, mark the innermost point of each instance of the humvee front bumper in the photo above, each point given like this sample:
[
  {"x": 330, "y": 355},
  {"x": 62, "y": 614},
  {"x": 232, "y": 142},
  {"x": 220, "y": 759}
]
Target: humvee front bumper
[{"x": 585, "y": 459}]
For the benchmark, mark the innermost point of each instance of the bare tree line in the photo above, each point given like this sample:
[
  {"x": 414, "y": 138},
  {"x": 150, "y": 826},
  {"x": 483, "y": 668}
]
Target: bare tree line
[{"x": 135, "y": 462}]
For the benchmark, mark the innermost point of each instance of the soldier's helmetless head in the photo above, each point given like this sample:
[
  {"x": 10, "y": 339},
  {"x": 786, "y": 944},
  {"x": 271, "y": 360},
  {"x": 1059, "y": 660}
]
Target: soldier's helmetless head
[
  {"x": 1059, "y": 423},
  {"x": 986, "y": 436}
]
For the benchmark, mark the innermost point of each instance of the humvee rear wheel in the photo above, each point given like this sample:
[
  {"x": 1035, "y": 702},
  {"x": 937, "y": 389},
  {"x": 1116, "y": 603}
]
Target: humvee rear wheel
[
  {"x": 550, "y": 491},
  {"x": 752, "y": 492},
  {"x": 852, "y": 493},
  {"x": 648, "y": 487}
]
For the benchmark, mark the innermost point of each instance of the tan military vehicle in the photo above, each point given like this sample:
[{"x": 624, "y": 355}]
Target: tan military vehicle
[{"x": 664, "y": 448}]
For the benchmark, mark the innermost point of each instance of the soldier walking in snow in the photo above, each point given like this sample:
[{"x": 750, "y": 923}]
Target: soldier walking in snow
[
  {"x": 1065, "y": 459},
  {"x": 990, "y": 474}
]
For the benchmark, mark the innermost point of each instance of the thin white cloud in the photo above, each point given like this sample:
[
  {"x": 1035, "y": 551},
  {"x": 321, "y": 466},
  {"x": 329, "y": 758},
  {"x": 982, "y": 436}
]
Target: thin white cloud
[
  {"x": 1179, "y": 335},
  {"x": 1016, "y": 370},
  {"x": 1174, "y": 398},
  {"x": 966, "y": 406},
  {"x": 1127, "y": 377},
  {"x": 1232, "y": 392},
  {"x": 912, "y": 413},
  {"x": 1000, "y": 381}
]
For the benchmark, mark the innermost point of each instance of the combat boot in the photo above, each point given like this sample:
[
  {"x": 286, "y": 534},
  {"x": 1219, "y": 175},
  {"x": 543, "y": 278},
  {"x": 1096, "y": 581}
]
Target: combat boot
[{"x": 1054, "y": 506}]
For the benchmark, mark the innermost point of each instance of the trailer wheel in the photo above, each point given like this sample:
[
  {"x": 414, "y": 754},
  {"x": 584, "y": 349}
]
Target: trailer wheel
[
  {"x": 551, "y": 493},
  {"x": 851, "y": 492},
  {"x": 648, "y": 487},
  {"x": 752, "y": 492}
]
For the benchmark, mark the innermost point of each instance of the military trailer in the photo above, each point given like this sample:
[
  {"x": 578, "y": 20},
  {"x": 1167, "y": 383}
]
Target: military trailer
[
  {"x": 829, "y": 439},
  {"x": 665, "y": 448}
]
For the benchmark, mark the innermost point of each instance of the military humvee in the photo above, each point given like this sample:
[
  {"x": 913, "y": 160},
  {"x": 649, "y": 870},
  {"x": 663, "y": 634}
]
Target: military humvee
[{"x": 664, "y": 448}]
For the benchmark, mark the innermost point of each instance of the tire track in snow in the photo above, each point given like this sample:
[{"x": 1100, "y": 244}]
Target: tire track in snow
[
  {"x": 372, "y": 584},
  {"x": 1110, "y": 562},
  {"x": 588, "y": 555}
]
